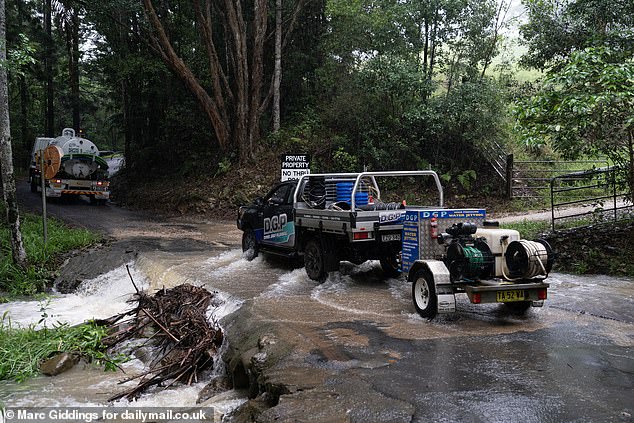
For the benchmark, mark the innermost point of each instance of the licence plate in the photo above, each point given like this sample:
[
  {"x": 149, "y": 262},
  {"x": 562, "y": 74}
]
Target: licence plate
[
  {"x": 390, "y": 237},
  {"x": 510, "y": 296}
]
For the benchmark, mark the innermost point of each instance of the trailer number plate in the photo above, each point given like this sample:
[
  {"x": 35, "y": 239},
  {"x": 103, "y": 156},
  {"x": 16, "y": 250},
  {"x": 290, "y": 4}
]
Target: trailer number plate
[
  {"x": 390, "y": 237},
  {"x": 510, "y": 296}
]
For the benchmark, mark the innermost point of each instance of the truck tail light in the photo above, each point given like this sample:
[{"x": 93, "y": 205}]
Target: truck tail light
[
  {"x": 99, "y": 183},
  {"x": 361, "y": 235},
  {"x": 542, "y": 294},
  {"x": 476, "y": 299}
]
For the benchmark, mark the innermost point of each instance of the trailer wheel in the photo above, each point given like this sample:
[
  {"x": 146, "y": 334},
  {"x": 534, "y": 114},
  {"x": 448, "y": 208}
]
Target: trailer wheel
[
  {"x": 249, "y": 245},
  {"x": 518, "y": 308},
  {"x": 424, "y": 294},
  {"x": 314, "y": 261}
]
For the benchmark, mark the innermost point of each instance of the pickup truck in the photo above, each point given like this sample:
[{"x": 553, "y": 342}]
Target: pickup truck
[{"x": 329, "y": 218}]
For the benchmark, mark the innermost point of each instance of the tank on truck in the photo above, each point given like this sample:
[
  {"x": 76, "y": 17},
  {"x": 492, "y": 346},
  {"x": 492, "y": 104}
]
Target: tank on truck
[{"x": 372, "y": 177}]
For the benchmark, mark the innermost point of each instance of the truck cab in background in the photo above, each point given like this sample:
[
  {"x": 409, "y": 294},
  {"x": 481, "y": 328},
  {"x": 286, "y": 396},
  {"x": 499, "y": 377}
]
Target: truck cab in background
[{"x": 71, "y": 166}]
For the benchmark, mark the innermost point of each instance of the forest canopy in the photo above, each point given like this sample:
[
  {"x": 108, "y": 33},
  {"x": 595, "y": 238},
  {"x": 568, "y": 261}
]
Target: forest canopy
[{"x": 188, "y": 87}]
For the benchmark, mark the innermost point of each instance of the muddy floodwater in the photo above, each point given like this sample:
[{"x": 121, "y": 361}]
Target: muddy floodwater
[
  {"x": 570, "y": 360},
  {"x": 354, "y": 348}
]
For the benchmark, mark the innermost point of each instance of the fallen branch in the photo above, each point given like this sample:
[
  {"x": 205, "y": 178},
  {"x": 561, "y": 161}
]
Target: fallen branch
[{"x": 174, "y": 321}]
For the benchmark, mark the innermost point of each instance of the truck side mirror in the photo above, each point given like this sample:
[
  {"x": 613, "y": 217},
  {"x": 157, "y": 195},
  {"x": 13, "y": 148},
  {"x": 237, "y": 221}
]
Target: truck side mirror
[{"x": 259, "y": 201}]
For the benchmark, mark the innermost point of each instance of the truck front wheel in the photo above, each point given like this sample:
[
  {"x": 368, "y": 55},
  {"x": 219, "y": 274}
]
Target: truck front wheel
[
  {"x": 424, "y": 294},
  {"x": 249, "y": 245},
  {"x": 314, "y": 261}
]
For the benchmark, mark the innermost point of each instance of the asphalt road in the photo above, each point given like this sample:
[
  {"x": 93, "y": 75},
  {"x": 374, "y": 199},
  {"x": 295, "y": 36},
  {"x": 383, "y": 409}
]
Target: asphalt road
[{"x": 357, "y": 351}]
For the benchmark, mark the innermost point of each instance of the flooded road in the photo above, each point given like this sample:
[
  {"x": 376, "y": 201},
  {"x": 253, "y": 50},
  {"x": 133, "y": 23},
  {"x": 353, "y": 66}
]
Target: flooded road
[
  {"x": 357, "y": 339},
  {"x": 354, "y": 349}
]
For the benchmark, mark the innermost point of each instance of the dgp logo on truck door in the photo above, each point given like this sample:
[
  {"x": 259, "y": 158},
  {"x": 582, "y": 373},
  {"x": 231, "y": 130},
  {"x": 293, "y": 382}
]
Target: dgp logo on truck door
[
  {"x": 278, "y": 230},
  {"x": 275, "y": 223}
]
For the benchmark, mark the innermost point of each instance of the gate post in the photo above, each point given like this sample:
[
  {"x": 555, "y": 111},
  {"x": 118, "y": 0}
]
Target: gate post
[{"x": 509, "y": 176}]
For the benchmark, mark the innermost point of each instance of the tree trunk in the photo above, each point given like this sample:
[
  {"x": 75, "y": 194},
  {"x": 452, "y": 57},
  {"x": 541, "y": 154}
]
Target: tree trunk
[
  {"x": 6, "y": 155},
  {"x": 49, "y": 127},
  {"x": 71, "y": 32},
  {"x": 235, "y": 104},
  {"x": 164, "y": 47},
  {"x": 278, "y": 66},
  {"x": 630, "y": 170},
  {"x": 499, "y": 22},
  {"x": 260, "y": 21}
]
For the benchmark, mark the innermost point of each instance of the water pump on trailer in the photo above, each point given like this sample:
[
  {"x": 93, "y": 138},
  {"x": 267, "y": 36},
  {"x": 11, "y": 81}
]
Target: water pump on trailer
[{"x": 472, "y": 256}]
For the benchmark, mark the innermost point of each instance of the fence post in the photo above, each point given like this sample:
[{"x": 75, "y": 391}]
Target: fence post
[
  {"x": 613, "y": 178},
  {"x": 509, "y": 176}
]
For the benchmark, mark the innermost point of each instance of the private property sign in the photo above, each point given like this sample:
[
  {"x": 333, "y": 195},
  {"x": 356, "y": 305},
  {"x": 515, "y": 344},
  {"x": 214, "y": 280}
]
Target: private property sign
[{"x": 294, "y": 166}]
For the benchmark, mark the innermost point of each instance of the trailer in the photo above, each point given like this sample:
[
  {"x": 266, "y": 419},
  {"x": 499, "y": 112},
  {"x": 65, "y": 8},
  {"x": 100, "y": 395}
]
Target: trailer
[{"x": 472, "y": 256}]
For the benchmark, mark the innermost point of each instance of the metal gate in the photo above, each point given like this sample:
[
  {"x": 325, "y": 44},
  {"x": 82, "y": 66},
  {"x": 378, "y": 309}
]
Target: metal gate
[
  {"x": 587, "y": 197},
  {"x": 531, "y": 178}
]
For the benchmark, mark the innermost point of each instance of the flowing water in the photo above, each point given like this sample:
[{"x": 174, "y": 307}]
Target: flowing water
[
  {"x": 87, "y": 385},
  {"x": 283, "y": 294}
]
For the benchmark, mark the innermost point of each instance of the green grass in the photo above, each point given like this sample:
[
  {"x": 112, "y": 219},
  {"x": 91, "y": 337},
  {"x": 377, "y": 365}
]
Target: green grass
[
  {"x": 529, "y": 229},
  {"x": 22, "y": 350},
  {"x": 61, "y": 239}
]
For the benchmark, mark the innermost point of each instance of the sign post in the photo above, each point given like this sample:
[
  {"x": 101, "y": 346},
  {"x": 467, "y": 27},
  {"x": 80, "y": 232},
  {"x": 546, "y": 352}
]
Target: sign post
[
  {"x": 43, "y": 181},
  {"x": 294, "y": 166}
]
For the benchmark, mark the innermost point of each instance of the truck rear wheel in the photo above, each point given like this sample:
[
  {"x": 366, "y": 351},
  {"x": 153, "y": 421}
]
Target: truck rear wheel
[
  {"x": 314, "y": 261},
  {"x": 391, "y": 265},
  {"x": 424, "y": 294},
  {"x": 249, "y": 245}
]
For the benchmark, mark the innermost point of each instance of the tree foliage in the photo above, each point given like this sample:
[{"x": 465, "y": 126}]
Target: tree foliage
[
  {"x": 403, "y": 83},
  {"x": 557, "y": 28},
  {"x": 183, "y": 87},
  {"x": 586, "y": 108}
]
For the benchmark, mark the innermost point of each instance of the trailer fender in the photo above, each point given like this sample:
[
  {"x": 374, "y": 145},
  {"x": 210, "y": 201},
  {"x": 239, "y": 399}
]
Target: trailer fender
[{"x": 446, "y": 300}]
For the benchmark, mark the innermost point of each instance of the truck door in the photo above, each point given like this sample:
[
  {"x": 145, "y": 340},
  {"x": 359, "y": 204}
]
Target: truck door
[{"x": 279, "y": 224}]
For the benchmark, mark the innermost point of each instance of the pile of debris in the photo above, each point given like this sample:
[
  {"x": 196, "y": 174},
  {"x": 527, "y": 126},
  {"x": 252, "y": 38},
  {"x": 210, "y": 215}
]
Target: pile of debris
[{"x": 174, "y": 322}]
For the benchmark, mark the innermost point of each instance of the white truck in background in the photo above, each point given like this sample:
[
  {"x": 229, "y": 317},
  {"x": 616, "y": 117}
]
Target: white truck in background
[{"x": 72, "y": 166}]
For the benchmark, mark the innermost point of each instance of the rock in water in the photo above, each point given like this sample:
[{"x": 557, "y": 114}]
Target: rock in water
[{"x": 59, "y": 363}]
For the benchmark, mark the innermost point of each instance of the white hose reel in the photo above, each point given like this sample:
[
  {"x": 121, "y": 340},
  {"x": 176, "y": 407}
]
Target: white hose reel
[{"x": 528, "y": 259}]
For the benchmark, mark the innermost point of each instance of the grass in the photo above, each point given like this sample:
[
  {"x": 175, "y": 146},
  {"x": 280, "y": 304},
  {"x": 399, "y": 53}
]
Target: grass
[
  {"x": 22, "y": 350},
  {"x": 61, "y": 239},
  {"x": 529, "y": 229}
]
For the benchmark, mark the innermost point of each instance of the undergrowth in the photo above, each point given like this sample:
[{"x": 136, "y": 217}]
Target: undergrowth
[{"x": 41, "y": 258}]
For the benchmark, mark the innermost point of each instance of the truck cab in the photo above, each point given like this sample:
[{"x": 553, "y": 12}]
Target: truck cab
[{"x": 268, "y": 223}]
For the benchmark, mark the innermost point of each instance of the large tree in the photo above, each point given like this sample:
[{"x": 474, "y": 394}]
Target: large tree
[
  {"x": 556, "y": 28},
  {"x": 6, "y": 154},
  {"x": 233, "y": 35}
]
